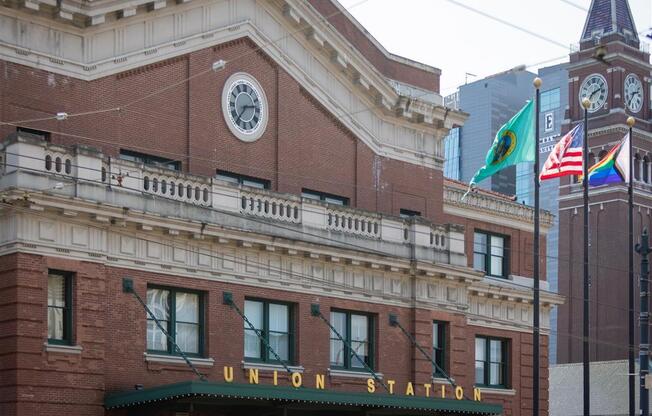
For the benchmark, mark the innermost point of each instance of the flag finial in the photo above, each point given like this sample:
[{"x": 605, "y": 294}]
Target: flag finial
[{"x": 631, "y": 121}]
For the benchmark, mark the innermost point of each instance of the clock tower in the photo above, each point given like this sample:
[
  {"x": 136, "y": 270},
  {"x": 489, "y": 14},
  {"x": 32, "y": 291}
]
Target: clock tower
[{"x": 610, "y": 67}]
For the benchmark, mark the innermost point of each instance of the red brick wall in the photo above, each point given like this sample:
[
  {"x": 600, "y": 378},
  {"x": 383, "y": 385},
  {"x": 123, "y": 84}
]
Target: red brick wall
[
  {"x": 110, "y": 326},
  {"x": 304, "y": 145},
  {"x": 520, "y": 245}
]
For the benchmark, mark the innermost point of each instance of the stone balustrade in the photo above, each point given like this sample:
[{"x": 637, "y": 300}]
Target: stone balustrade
[
  {"x": 267, "y": 205},
  {"x": 60, "y": 167}
]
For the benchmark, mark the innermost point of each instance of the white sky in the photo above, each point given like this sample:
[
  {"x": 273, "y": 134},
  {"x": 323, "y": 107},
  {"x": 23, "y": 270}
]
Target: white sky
[{"x": 457, "y": 40}]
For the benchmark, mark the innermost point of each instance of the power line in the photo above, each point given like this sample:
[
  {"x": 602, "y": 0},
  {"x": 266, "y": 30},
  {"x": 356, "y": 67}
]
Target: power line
[
  {"x": 507, "y": 23},
  {"x": 266, "y": 221},
  {"x": 336, "y": 285},
  {"x": 322, "y": 19},
  {"x": 577, "y": 6},
  {"x": 358, "y": 247}
]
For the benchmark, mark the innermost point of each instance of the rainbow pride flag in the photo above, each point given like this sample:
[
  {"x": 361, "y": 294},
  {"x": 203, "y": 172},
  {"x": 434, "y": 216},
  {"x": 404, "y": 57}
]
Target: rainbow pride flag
[{"x": 614, "y": 167}]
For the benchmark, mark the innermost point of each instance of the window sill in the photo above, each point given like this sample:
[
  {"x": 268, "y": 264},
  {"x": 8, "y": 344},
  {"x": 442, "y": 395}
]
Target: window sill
[
  {"x": 177, "y": 359},
  {"x": 442, "y": 380},
  {"x": 271, "y": 367},
  {"x": 61, "y": 348},
  {"x": 498, "y": 391},
  {"x": 352, "y": 374}
]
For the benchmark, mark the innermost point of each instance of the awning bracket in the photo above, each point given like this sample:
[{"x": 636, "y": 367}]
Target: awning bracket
[
  {"x": 314, "y": 311},
  {"x": 227, "y": 299},
  {"x": 128, "y": 287},
  {"x": 393, "y": 321}
]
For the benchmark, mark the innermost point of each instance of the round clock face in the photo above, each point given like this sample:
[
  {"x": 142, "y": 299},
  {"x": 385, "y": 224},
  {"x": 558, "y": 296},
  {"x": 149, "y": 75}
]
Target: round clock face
[
  {"x": 595, "y": 89},
  {"x": 244, "y": 106},
  {"x": 633, "y": 93}
]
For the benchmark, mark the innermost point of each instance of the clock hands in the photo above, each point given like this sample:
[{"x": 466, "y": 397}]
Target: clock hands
[
  {"x": 244, "y": 107},
  {"x": 594, "y": 92}
]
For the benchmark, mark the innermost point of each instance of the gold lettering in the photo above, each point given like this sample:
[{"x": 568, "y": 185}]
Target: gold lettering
[
  {"x": 253, "y": 376},
  {"x": 275, "y": 378},
  {"x": 319, "y": 381},
  {"x": 391, "y": 383},
  {"x": 297, "y": 380},
  {"x": 443, "y": 392},
  {"x": 228, "y": 374},
  {"x": 409, "y": 390},
  {"x": 476, "y": 395},
  {"x": 427, "y": 387},
  {"x": 371, "y": 385},
  {"x": 459, "y": 393}
]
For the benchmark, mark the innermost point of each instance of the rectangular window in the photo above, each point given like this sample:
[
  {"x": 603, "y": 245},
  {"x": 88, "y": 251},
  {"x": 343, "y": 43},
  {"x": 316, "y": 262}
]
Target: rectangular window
[
  {"x": 489, "y": 254},
  {"x": 439, "y": 348},
  {"x": 45, "y": 135},
  {"x": 242, "y": 179},
  {"x": 357, "y": 331},
  {"x": 273, "y": 321},
  {"x": 159, "y": 162},
  {"x": 181, "y": 314},
  {"x": 59, "y": 307},
  {"x": 491, "y": 362},
  {"x": 407, "y": 213},
  {"x": 322, "y": 196},
  {"x": 550, "y": 100}
]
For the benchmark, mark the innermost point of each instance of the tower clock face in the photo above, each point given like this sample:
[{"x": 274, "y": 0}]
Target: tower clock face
[
  {"x": 633, "y": 93},
  {"x": 595, "y": 89},
  {"x": 244, "y": 106}
]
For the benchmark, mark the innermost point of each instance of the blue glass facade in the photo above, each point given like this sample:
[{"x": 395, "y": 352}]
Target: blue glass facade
[{"x": 452, "y": 154}]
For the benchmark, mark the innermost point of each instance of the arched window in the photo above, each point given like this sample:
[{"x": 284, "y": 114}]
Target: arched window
[
  {"x": 646, "y": 166},
  {"x": 637, "y": 167},
  {"x": 601, "y": 155}
]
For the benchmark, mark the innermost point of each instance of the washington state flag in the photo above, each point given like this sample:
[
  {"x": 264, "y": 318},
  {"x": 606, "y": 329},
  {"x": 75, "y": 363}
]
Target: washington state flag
[{"x": 514, "y": 143}]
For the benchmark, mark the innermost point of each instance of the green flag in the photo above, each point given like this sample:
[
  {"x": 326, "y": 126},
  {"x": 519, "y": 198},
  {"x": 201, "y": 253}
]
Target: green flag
[{"x": 514, "y": 143}]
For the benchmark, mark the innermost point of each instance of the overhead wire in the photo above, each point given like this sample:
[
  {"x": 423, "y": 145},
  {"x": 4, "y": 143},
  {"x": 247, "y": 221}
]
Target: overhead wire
[
  {"x": 337, "y": 242},
  {"x": 322, "y": 19},
  {"x": 266, "y": 221},
  {"x": 521, "y": 29},
  {"x": 333, "y": 284}
]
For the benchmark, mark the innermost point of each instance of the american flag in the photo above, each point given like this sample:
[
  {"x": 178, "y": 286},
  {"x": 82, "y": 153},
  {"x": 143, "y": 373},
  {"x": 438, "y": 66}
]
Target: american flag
[{"x": 566, "y": 157}]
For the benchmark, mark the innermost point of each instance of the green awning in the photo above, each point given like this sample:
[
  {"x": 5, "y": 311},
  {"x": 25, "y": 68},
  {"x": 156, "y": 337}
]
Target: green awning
[{"x": 205, "y": 390}]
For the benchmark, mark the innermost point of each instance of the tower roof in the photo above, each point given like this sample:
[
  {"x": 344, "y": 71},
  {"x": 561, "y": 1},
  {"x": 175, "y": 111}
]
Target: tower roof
[{"x": 610, "y": 17}]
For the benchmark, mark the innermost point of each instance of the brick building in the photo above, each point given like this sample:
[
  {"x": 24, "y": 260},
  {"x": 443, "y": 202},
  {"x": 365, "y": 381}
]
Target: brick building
[
  {"x": 169, "y": 169},
  {"x": 611, "y": 66}
]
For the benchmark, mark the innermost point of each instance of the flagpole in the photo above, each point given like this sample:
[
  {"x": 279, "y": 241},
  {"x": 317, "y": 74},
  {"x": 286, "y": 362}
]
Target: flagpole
[
  {"x": 535, "y": 330},
  {"x": 585, "y": 341},
  {"x": 630, "y": 191}
]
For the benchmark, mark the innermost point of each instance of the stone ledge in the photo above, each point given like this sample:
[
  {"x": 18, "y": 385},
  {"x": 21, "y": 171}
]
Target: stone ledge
[
  {"x": 64, "y": 349},
  {"x": 352, "y": 374},
  {"x": 271, "y": 367},
  {"x": 497, "y": 391},
  {"x": 441, "y": 380},
  {"x": 176, "y": 359}
]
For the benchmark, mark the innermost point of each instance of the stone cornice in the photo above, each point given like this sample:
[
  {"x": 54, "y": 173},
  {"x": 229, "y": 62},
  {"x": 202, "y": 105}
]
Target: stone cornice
[
  {"x": 59, "y": 227},
  {"x": 348, "y": 83},
  {"x": 380, "y": 47},
  {"x": 494, "y": 209},
  {"x": 92, "y": 13}
]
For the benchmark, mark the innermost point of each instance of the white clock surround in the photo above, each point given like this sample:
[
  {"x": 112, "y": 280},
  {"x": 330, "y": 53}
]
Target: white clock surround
[{"x": 252, "y": 126}]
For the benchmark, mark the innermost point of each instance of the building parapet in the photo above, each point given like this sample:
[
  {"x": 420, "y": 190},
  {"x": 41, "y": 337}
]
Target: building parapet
[
  {"x": 491, "y": 207},
  {"x": 86, "y": 173}
]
